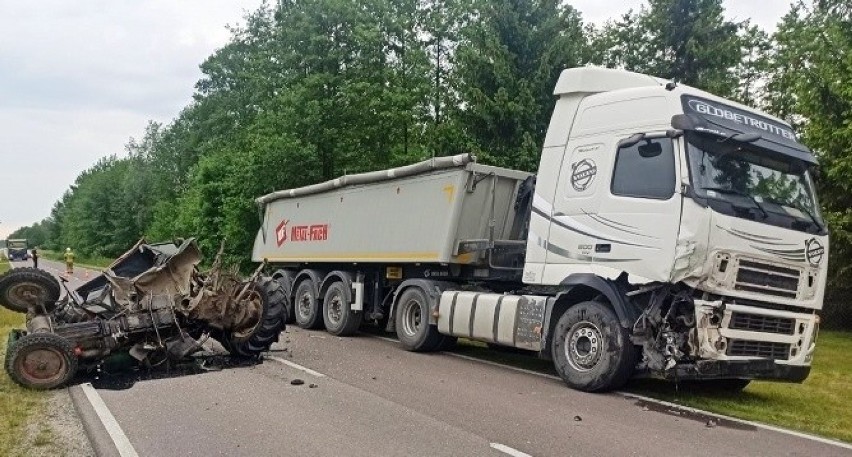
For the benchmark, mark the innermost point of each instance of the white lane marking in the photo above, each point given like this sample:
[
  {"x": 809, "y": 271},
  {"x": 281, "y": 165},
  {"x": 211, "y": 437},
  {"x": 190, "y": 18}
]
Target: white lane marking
[
  {"x": 297, "y": 366},
  {"x": 741, "y": 421},
  {"x": 125, "y": 449},
  {"x": 508, "y": 450},
  {"x": 690, "y": 409}
]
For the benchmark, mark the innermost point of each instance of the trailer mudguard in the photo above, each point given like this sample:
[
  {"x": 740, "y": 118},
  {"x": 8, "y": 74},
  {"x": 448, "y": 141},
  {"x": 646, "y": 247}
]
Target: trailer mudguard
[{"x": 337, "y": 275}]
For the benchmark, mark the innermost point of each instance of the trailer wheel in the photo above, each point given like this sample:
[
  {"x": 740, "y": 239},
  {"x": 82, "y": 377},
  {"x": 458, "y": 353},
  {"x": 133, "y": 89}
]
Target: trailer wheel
[
  {"x": 592, "y": 352},
  {"x": 412, "y": 322},
  {"x": 270, "y": 324},
  {"x": 41, "y": 361},
  {"x": 337, "y": 311},
  {"x": 22, "y": 287},
  {"x": 307, "y": 308}
]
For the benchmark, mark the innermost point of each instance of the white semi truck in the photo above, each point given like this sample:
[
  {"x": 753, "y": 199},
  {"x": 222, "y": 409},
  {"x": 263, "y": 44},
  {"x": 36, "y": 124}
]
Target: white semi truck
[{"x": 667, "y": 233}]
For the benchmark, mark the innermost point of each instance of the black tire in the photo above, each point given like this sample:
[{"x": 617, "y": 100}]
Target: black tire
[
  {"x": 337, "y": 311},
  {"x": 286, "y": 278},
  {"x": 308, "y": 311},
  {"x": 412, "y": 322},
  {"x": 269, "y": 327},
  {"x": 41, "y": 361},
  {"x": 23, "y": 286},
  {"x": 599, "y": 355}
]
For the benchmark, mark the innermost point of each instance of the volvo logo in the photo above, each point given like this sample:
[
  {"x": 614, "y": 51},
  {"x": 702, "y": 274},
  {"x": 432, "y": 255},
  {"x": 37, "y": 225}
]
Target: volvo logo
[
  {"x": 814, "y": 251},
  {"x": 582, "y": 174}
]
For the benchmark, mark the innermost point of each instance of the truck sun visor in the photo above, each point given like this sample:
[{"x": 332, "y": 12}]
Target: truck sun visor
[{"x": 707, "y": 116}]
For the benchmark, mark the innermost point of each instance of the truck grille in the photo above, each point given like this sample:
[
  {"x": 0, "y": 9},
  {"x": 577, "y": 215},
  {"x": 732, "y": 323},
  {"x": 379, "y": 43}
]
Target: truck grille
[
  {"x": 768, "y": 279},
  {"x": 765, "y": 349},
  {"x": 758, "y": 323}
]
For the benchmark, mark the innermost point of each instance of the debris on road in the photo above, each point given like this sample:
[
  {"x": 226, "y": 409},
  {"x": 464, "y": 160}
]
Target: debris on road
[
  {"x": 297, "y": 382},
  {"x": 152, "y": 306}
]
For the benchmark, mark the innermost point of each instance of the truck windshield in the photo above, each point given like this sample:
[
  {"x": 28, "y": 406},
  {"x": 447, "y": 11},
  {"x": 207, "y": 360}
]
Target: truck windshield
[
  {"x": 744, "y": 181},
  {"x": 17, "y": 244}
]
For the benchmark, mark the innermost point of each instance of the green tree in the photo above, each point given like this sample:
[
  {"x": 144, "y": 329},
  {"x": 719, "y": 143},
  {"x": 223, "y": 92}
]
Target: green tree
[
  {"x": 506, "y": 65},
  {"x": 686, "y": 40}
]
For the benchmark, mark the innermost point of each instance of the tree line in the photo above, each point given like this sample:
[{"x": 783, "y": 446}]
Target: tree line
[{"x": 307, "y": 90}]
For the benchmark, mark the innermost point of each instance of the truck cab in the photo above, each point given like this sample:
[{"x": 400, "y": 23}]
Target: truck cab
[
  {"x": 667, "y": 186},
  {"x": 17, "y": 249}
]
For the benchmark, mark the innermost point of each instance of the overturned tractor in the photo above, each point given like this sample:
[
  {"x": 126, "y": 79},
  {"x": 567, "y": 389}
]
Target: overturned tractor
[{"x": 153, "y": 304}]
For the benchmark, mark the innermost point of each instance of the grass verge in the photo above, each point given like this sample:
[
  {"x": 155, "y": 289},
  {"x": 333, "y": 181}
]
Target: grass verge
[
  {"x": 94, "y": 263},
  {"x": 822, "y": 405},
  {"x": 17, "y": 405}
]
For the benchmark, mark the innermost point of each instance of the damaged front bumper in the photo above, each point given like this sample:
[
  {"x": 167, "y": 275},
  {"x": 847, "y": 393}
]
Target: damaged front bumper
[{"x": 751, "y": 342}]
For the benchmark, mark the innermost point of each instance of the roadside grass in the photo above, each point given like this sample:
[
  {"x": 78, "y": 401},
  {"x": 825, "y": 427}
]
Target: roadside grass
[
  {"x": 17, "y": 405},
  {"x": 93, "y": 262},
  {"x": 822, "y": 405}
]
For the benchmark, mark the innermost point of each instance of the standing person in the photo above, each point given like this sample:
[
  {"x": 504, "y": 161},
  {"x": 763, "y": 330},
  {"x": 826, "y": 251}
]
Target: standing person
[
  {"x": 69, "y": 261},
  {"x": 35, "y": 258}
]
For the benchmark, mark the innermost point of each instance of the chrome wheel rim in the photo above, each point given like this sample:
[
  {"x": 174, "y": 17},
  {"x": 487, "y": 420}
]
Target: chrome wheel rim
[
  {"x": 583, "y": 346},
  {"x": 412, "y": 318},
  {"x": 335, "y": 310}
]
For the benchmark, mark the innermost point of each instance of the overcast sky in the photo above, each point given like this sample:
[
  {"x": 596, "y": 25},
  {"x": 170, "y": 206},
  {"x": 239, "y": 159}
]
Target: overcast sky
[{"x": 78, "y": 79}]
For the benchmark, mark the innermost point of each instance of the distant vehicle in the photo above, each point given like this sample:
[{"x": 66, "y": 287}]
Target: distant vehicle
[
  {"x": 668, "y": 233},
  {"x": 18, "y": 249}
]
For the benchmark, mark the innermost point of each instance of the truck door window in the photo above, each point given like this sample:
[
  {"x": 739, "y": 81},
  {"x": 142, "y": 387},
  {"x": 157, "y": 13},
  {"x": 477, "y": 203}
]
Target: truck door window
[{"x": 645, "y": 170}]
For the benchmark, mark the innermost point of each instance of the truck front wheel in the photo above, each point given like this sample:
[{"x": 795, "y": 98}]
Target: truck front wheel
[
  {"x": 412, "y": 322},
  {"x": 307, "y": 307},
  {"x": 592, "y": 352},
  {"x": 337, "y": 311}
]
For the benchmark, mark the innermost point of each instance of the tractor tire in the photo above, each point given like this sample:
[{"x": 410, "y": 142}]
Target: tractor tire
[
  {"x": 269, "y": 327},
  {"x": 337, "y": 311},
  {"x": 308, "y": 310},
  {"x": 591, "y": 351},
  {"x": 286, "y": 278},
  {"x": 412, "y": 322},
  {"x": 22, "y": 287},
  {"x": 41, "y": 361}
]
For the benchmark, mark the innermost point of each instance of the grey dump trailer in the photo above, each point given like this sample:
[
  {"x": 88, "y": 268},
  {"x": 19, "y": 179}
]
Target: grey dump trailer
[{"x": 646, "y": 244}]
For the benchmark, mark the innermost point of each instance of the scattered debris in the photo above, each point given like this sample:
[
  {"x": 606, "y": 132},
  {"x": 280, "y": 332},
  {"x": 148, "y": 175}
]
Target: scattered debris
[
  {"x": 710, "y": 423},
  {"x": 312, "y": 386},
  {"x": 297, "y": 382},
  {"x": 578, "y": 418}
]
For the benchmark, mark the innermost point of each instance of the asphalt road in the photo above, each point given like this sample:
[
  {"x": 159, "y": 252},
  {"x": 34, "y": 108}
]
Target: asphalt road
[{"x": 371, "y": 398}]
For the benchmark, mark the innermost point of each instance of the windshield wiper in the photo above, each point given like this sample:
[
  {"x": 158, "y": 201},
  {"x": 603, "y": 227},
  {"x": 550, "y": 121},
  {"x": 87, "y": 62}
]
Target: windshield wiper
[
  {"x": 725, "y": 190},
  {"x": 810, "y": 215}
]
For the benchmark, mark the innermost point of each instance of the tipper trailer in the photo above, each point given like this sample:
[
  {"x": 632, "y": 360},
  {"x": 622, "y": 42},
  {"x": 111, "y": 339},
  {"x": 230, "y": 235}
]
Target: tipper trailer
[{"x": 668, "y": 233}]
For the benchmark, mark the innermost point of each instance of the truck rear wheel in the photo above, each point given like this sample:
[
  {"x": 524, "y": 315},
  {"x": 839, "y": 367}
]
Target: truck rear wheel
[
  {"x": 307, "y": 308},
  {"x": 412, "y": 322},
  {"x": 41, "y": 361},
  {"x": 22, "y": 287},
  {"x": 592, "y": 352},
  {"x": 337, "y": 311}
]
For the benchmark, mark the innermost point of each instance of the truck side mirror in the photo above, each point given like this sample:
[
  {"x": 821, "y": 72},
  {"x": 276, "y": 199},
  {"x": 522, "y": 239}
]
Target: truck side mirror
[
  {"x": 631, "y": 140},
  {"x": 650, "y": 149}
]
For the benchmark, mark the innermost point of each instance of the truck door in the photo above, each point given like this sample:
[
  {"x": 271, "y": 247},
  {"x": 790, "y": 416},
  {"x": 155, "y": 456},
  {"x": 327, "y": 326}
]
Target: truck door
[
  {"x": 641, "y": 210},
  {"x": 617, "y": 209}
]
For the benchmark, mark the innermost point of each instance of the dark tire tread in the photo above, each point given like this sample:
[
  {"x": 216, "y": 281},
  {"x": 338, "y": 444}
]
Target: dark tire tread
[
  {"x": 270, "y": 326},
  {"x": 45, "y": 280},
  {"x": 41, "y": 339}
]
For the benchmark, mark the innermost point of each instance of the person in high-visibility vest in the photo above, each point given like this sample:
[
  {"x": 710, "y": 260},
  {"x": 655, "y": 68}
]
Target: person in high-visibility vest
[{"x": 69, "y": 261}]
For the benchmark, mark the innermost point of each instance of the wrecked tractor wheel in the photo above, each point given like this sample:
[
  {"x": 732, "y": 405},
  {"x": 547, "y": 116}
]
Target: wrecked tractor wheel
[
  {"x": 22, "y": 287},
  {"x": 258, "y": 339},
  {"x": 41, "y": 361}
]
